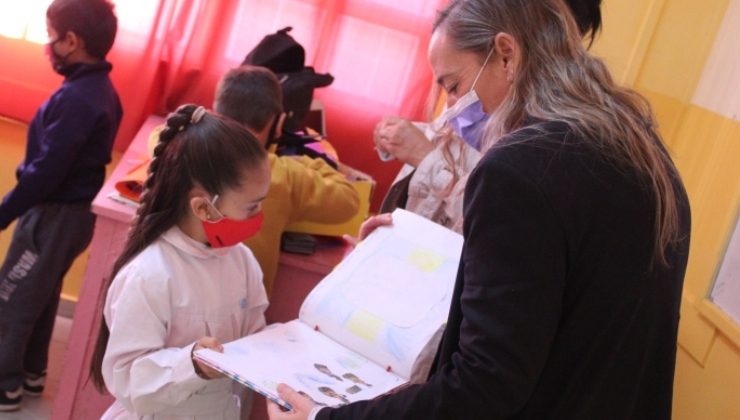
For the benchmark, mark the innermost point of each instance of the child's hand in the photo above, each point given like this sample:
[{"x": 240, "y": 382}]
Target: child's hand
[{"x": 202, "y": 369}]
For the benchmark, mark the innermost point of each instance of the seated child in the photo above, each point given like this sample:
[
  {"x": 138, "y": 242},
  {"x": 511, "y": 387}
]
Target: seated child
[
  {"x": 301, "y": 188},
  {"x": 184, "y": 281}
]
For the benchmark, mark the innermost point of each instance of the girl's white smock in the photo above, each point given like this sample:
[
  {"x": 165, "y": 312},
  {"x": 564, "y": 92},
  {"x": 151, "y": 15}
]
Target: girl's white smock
[{"x": 166, "y": 298}]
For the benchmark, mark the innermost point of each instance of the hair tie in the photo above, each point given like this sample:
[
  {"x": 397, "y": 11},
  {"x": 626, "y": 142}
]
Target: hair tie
[{"x": 198, "y": 115}]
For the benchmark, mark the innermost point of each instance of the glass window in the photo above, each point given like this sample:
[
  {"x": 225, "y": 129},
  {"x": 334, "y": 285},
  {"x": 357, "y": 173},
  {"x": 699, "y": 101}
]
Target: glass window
[
  {"x": 373, "y": 61},
  {"x": 257, "y": 18},
  {"x": 24, "y": 20}
]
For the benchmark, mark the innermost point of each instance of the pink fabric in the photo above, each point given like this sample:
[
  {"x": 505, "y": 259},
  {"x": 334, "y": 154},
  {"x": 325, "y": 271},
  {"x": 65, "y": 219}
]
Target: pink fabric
[{"x": 168, "y": 52}]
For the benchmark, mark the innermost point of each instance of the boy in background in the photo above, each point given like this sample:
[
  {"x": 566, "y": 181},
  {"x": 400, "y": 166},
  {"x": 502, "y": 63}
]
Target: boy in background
[
  {"x": 301, "y": 188},
  {"x": 69, "y": 143}
]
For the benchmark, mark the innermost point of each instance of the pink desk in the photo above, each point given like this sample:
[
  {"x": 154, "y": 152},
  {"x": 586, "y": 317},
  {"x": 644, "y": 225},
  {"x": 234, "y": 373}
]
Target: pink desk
[
  {"x": 298, "y": 274},
  {"x": 77, "y": 398}
]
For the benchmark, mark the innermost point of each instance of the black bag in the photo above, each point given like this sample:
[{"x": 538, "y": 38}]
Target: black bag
[{"x": 281, "y": 53}]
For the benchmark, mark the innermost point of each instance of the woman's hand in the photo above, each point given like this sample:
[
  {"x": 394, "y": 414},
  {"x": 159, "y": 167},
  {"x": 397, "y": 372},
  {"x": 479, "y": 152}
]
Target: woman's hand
[
  {"x": 202, "y": 369},
  {"x": 368, "y": 226},
  {"x": 302, "y": 406},
  {"x": 402, "y": 139}
]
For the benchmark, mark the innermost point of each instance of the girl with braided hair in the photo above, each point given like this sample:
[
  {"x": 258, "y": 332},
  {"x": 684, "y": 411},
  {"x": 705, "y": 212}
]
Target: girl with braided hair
[{"x": 184, "y": 281}]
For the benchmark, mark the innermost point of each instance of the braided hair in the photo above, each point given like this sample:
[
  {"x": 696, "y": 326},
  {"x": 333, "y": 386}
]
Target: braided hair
[{"x": 195, "y": 148}]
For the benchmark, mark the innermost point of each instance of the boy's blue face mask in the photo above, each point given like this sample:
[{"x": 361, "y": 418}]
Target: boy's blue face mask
[{"x": 466, "y": 117}]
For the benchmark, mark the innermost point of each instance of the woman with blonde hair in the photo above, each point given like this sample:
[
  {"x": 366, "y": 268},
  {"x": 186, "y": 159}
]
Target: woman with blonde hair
[
  {"x": 432, "y": 180},
  {"x": 576, "y": 234}
]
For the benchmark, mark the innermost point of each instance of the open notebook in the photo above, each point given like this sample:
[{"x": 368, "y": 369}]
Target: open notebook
[{"x": 371, "y": 325}]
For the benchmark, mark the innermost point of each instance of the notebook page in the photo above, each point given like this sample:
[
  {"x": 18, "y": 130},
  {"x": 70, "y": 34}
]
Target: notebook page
[{"x": 387, "y": 299}]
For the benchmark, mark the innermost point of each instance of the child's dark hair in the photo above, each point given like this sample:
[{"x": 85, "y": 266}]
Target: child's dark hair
[
  {"x": 250, "y": 95},
  {"x": 588, "y": 16},
  {"x": 91, "y": 20},
  {"x": 208, "y": 150}
]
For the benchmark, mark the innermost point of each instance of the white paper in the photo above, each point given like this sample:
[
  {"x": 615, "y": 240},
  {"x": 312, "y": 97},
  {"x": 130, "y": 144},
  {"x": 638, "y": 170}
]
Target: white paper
[
  {"x": 391, "y": 294},
  {"x": 305, "y": 359}
]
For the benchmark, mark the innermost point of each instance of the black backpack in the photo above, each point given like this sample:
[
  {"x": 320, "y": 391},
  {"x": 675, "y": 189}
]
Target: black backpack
[{"x": 281, "y": 53}]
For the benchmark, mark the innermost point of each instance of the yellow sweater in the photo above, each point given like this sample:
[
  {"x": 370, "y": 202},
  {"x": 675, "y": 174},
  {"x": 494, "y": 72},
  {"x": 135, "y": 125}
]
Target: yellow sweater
[{"x": 301, "y": 189}]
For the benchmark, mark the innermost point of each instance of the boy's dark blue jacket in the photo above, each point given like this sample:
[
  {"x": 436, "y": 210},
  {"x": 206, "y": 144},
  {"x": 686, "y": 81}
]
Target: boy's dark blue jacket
[{"x": 69, "y": 143}]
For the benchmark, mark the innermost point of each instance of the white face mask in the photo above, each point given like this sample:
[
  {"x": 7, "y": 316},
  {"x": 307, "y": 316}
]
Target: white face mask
[{"x": 466, "y": 116}]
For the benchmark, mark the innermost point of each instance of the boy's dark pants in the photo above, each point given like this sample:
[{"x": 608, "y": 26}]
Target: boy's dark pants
[{"x": 46, "y": 241}]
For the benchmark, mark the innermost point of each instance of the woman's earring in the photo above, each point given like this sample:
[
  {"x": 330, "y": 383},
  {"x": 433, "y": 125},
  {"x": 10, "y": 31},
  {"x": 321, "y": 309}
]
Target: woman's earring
[{"x": 510, "y": 76}]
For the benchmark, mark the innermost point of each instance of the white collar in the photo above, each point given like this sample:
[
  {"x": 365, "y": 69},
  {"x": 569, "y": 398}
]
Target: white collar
[{"x": 185, "y": 243}]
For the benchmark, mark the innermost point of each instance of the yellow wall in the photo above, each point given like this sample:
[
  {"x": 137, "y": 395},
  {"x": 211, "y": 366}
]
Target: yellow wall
[{"x": 683, "y": 55}]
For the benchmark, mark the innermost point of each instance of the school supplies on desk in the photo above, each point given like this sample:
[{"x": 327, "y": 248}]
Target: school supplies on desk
[
  {"x": 132, "y": 184},
  {"x": 370, "y": 326},
  {"x": 118, "y": 198},
  {"x": 298, "y": 243}
]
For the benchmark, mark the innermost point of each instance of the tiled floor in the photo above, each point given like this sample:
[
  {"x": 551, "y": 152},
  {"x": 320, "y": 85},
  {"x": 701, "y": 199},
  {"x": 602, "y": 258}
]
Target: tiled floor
[{"x": 40, "y": 408}]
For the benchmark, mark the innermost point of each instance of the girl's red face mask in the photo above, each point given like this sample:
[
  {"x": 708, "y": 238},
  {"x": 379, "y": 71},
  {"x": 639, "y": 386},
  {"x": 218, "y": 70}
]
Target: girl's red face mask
[{"x": 227, "y": 232}]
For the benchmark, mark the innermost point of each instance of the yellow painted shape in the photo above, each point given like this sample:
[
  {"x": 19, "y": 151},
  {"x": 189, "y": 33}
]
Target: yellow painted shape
[
  {"x": 720, "y": 320},
  {"x": 628, "y": 29},
  {"x": 707, "y": 151},
  {"x": 680, "y": 45},
  {"x": 695, "y": 332},
  {"x": 365, "y": 325},
  {"x": 668, "y": 113},
  {"x": 705, "y": 147},
  {"x": 425, "y": 261},
  {"x": 709, "y": 391}
]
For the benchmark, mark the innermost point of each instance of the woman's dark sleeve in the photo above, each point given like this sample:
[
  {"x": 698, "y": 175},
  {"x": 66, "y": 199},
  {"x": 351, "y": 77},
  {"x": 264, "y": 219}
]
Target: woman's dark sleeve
[{"x": 512, "y": 279}]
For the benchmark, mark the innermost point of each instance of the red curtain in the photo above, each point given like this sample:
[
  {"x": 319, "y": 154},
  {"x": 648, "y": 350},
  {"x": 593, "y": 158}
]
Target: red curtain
[{"x": 168, "y": 52}]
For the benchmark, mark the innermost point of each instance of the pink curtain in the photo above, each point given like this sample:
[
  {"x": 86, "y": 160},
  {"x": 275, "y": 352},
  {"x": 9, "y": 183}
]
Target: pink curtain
[{"x": 168, "y": 52}]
